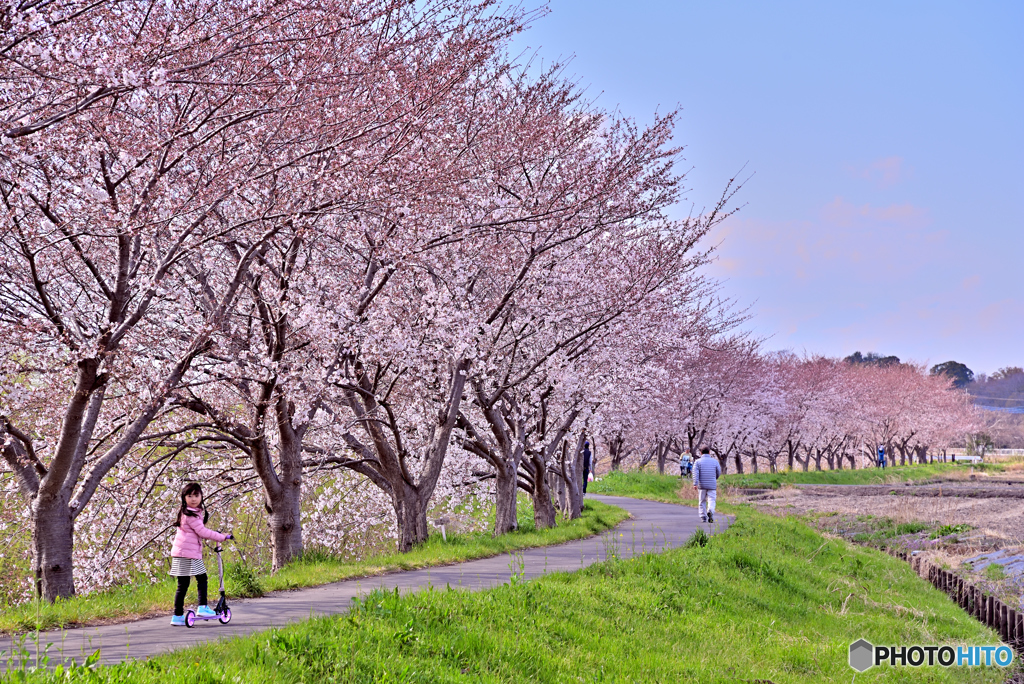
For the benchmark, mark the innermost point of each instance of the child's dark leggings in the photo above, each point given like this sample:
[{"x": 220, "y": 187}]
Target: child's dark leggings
[{"x": 179, "y": 596}]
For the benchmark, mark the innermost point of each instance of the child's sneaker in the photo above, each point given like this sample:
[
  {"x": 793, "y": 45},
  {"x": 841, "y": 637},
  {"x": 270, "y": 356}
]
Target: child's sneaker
[
  {"x": 178, "y": 621},
  {"x": 205, "y": 611}
]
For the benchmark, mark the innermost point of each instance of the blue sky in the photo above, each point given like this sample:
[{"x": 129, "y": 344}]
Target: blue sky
[{"x": 886, "y": 209}]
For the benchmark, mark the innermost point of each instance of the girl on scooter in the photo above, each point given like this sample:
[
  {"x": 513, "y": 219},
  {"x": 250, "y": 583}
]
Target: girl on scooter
[{"x": 187, "y": 551}]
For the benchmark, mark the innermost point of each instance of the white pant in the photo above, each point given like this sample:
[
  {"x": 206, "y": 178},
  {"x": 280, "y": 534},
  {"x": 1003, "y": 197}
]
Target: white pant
[{"x": 707, "y": 501}]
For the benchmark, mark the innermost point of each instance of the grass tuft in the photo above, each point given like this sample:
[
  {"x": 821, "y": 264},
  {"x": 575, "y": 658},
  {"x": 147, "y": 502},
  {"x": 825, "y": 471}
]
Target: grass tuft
[{"x": 698, "y": 538}]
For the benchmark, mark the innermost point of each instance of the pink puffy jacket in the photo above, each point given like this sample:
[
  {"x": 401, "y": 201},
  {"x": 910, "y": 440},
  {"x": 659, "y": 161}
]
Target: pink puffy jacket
[{"x": 186, "y": 541}]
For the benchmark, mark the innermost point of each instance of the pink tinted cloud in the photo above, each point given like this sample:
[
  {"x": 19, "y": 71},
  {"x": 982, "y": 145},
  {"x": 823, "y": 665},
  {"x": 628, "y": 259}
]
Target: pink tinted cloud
[
  {"x": 885, "y": 172},
  {"x": 845, "y": 214},
  {"x": 970, "y": 282},
  {"x": 836, "y": 245}
]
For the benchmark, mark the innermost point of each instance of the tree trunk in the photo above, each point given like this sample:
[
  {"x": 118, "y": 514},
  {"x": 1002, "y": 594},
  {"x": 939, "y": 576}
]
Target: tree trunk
[
  {"x": 411, "y": 511},
  {"x": 575, "y": 480},
  {"x": 53, "y": 543},
  {"x": 543, "y": 508},
  {"x": 615, "y": 449},
  {"x": 285, "y": 509},
  {"x": 505, "y": 493},
  {"x": 662, "y": 455},
  {"x": 739, "y": 462}
]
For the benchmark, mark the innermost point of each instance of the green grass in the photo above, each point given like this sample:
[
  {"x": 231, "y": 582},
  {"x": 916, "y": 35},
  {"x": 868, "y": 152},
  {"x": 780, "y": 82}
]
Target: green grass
[
  {"x": 882, "y": 529},
  {"x": 994, "y": 572},
  {"x": 155, "y": 596},
  {"x": 769, "y": 599},
  {"x": 639, "y": 485},
  {"x": 947, "y": 530},
  {"x": 860, "y": 476}
]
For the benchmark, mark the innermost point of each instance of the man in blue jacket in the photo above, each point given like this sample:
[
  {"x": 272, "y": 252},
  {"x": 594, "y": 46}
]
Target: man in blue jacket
[{"x": 705, "y": 480}]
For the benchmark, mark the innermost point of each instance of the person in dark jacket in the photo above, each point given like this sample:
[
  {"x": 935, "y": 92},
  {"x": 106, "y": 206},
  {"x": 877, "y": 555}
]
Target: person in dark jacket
[
  {"x": 705, "y": 480},
  {"x": 586, "y": 464}
]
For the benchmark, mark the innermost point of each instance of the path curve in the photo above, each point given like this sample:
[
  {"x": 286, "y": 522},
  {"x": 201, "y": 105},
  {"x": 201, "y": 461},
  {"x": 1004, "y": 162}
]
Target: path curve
[{"x": 653, "y": 527}]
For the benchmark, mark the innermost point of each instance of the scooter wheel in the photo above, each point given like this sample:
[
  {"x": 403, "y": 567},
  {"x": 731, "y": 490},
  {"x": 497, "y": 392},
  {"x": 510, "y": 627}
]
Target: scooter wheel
[
  {"x": 225, "y": 617},
  {"x": 190, "y": 619}
]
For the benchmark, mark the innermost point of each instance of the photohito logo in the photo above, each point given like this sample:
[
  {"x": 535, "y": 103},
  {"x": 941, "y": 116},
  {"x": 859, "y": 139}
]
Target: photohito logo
[{"x": 863, "y": 655}]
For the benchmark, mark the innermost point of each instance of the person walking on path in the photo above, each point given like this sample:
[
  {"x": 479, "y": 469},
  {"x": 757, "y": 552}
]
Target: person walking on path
[
  {"x": 685, "y": 464},
  {"x": 705, "y": 480},
  {"x": 187, "y": 551},
  {"x": 586, "y": 464},
  {"x": 881, "y": 456}
]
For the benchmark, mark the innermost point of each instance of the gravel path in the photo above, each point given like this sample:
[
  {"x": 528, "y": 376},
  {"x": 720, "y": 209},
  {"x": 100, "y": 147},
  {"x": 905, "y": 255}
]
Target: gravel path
[{"x": 653, "y": 527}]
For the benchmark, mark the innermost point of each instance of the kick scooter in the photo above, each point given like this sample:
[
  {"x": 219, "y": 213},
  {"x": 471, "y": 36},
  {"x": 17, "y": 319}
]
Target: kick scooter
[{"x": 221, "y": 610}]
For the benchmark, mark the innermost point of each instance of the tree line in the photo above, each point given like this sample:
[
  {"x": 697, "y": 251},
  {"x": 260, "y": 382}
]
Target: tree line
[{"x": 331, "y": 254}]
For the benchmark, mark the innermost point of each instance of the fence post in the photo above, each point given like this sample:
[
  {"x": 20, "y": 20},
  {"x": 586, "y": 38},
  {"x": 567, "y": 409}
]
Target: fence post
[{"x": 1011, "y": 627}]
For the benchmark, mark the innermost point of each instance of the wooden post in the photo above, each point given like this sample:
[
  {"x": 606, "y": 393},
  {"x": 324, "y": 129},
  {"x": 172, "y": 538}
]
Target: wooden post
[
  {"x": 1004, "y": 625},
  {"x": 1011, "y": 627}
]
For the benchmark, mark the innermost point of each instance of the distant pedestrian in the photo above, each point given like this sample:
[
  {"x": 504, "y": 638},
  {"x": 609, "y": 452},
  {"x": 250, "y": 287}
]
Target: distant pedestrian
[
  {"x": 685, "y": 464},
  {"x": 586, "y": 464},
  {"x": 187, "y": 551},
  {"x": 705, "y": 480},
  {"x": 881, "y": 456}
]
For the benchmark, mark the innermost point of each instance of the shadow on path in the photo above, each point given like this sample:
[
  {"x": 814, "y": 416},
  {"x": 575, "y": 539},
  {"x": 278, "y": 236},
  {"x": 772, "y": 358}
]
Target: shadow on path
[{"x": 653, "y": 527}]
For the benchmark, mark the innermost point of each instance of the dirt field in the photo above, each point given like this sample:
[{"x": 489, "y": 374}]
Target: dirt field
[
  {"x": 996, "y": 524},
  {"x": 996, "y": 518}
]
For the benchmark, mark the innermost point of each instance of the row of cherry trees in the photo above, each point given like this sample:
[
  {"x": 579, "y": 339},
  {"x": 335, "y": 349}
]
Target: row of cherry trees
[
  {"x": 327, "y": 251},
  {"x": 757, "y": 410},
  {"x": 350, "y": 262}
]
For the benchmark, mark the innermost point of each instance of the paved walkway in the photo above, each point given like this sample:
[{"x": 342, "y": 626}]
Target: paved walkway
[{"x": 653, "y": 527}]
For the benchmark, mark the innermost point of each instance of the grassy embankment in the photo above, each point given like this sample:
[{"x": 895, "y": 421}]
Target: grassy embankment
[
  {"x": 769, "y": 599},
  {"x": 141, "y": 599},
  {"x": 672, "y": 489},
  {"x": 862, "y": 476}
]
